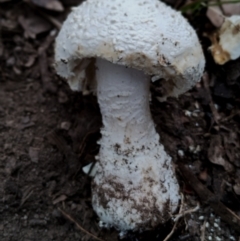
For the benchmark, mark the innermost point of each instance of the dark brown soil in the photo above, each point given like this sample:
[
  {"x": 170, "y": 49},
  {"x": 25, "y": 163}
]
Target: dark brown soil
[{"x": 47, "y": 133}]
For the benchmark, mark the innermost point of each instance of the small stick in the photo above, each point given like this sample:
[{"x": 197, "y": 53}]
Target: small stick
[
  {"x": 203, "y": 229},
  {"x": 175, "y": 225},
  {"x": 215, "y": 113},
  {"x": 192, "y": 210},
  {"x": 209, "y": 198},
  {"x": 78, "y": 225},
  {"x": 171, "y": 233}
]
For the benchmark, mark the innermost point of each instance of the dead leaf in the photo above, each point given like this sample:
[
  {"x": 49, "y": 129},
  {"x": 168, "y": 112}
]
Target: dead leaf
[
  {"x": 33, "y": 25},
  {"x": 53, "y": 5},
  {"x": 230, "y": 9},
  {"x": 217, "y": 14},
  {"x": 216, "y": 153},
  {"x": 232, "y": 147}
]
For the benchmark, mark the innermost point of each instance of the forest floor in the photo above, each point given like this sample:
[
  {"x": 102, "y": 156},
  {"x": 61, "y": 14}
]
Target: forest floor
[{"x": 48, "y": 133}]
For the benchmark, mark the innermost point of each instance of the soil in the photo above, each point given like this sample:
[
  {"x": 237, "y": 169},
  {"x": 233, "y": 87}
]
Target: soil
[{"x": 48, "y": 133}]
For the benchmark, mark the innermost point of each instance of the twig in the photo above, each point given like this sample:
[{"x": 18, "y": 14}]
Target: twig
[
  {"x": 78, "y": 225},
  {"x": 230, "y": 116},
  {"x": 203, "y": 229},
  {"x": 180, "y": 215},
  {"x": 175, "y": 224},
  {"x": 209, "y": 198},
  {"x": 172, "y": 231},
  {"x": 216, "y": 115},
  {"x": 192, "y": 210}
]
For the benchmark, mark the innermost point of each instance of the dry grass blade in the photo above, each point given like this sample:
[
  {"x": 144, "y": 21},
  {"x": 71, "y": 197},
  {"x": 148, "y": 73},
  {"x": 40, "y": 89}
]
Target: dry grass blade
[{"x": 78, "y": 225}]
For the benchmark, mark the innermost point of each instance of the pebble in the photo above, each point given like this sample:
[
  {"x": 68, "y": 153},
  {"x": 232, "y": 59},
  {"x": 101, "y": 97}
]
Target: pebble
[{"x": 65, "y": 125}]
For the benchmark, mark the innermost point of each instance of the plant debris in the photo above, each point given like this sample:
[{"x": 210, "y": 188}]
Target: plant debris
[{"x": 48, "y": 133}]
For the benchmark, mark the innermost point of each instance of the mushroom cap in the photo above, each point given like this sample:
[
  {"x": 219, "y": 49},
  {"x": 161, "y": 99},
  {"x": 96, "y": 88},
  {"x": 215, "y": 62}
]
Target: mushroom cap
[
  {"x": 143, "y": 34},
  {"x": 226, "y": 42}
]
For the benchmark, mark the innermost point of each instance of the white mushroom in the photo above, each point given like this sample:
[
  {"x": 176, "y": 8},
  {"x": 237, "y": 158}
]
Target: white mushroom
[
  {"x": 226, "y": 41},
  {"x": 128, "y": 42}
]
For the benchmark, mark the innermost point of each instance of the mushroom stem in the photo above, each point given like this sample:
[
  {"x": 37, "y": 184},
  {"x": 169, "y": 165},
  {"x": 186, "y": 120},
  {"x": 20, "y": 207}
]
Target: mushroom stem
[
  {"x": 135, "y": 185},
  {"x": 123, "y": 96}
]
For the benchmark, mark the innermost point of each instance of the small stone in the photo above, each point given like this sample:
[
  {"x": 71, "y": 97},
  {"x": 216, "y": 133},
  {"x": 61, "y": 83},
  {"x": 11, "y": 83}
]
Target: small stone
[
  {"x": 188, "y": 113},
  {"x": 191, "y": 148},
  {"x": 236, "y": 188},
  {"x": 181, "y": 153},
  {"x": 196, "y": 104},
  {"x": 11, "y": 61},
  {"x": 215, "y": 225},
  {"x": 65, "y": 125}
]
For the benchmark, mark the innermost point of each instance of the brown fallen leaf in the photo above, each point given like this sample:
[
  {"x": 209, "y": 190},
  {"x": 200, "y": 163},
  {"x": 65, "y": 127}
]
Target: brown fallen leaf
[
  {"x": 33, "y": 25},
  {"x": 216, "y": 153},
  {"x": 215, "y": 15},
  {"x": 232, "y": 148}
]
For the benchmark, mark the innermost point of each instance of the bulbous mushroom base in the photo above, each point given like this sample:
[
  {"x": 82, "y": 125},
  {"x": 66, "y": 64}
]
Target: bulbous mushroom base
[
  {"x": 135, "y": 185},
  {"x": 137, "y": 190}
]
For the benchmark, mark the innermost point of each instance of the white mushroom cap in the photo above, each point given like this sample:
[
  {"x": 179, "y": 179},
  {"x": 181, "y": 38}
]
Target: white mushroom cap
[
  {"x": 142, "y": 34},
  {"x": 226, "y": 42}
]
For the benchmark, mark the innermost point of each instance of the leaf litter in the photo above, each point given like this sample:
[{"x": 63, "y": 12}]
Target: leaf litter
[{"x": 48, "y": 133}]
